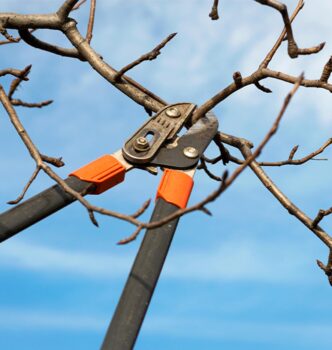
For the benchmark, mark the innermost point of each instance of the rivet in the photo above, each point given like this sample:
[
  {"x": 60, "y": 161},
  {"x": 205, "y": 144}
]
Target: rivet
[
  {"x": 190, "y": 152},
  {"x": 173, "y": 112}
]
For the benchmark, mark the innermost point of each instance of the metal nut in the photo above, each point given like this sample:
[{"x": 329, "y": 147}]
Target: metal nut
[
  {"x": 190, "y": 152},
  {"x": 141, "y": 144},
  {"x": 173, "y": 112}
]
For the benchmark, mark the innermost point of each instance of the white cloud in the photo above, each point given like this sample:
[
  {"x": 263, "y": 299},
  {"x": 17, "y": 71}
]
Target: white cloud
[
  {"x": 312, "y": 333},
  {"x": 44, "y": 259},
  {"x": 32, "y": 319},
  {"x": 233, "y": 260},
  {"x": 260, "y": 332}
]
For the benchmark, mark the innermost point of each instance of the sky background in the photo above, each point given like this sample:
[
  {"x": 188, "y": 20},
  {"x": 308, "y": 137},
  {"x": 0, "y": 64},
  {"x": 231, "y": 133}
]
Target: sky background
[{"x": 245, "y": 278}]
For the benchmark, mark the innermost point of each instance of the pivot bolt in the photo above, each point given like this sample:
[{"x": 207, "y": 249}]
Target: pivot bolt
[
  {"x": 190, "y": 152},
  {"x": 141, "y": 144},
  {"x": 173, "y": 112}
]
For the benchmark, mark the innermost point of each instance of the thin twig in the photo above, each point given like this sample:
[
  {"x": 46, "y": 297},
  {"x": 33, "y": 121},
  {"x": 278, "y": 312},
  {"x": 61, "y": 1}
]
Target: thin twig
[
  {"x": 276, "y": 46},
  {"x": 327, "y": 268},
  {"x": 151, "y": 55},
  {"x": 327, "y": 71},
  {"x": 18, "y": 102},
  {"x": 141, "y": 210},
  {"x": 15, "y": 72},
  {"x": 321, "y": 214},
  {"x": 261, "y": 87},
  {"x": 210, "y": 198},
  {"x": 291, "y": 161},
  {"x": 203, "y": 166},
  {"x": 9, "y": 38},
  {"x": 26, "y": 187},
  {"x": 78, "y": 5},
  {"x": 57, "y": 162},
  {"x": 16, "y": 82},
  {"x": 293, "y": 49},
  {"x": 91, "y": 21},
  {"x": 214, "y": 11}
]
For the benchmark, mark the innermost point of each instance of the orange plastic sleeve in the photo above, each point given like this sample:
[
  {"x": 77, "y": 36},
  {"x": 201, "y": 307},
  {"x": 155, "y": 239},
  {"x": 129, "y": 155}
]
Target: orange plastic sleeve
[
  {"x": 105, "y": 172},
  {"x": 175, "y": 187}
]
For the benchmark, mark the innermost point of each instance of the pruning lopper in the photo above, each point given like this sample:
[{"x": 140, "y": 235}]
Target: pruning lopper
[{"x": 155, "y": 144}]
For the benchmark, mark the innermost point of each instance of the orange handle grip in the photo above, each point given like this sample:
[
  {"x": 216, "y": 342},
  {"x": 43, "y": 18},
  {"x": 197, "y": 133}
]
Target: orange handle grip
[
  {"x": 105, "y": 172},
  {"x": 175, "y": 187}
]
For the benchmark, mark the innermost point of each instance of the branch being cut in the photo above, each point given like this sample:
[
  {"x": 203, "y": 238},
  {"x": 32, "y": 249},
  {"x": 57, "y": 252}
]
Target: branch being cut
[{"x": 226, "y": 181}]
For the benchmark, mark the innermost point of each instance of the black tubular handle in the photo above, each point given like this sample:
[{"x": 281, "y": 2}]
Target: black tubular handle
[
  {"x": 136, "y": 296},
  {"x": 40, "y": 206}
]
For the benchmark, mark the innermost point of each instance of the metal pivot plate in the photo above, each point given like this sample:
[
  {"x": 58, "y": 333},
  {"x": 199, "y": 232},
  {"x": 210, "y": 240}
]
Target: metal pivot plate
[
  {"x": 146, "y": 142},
  {"x": 187, "y": 150}
]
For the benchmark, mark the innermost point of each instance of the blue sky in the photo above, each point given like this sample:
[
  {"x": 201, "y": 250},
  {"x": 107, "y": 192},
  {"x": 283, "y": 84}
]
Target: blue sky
[{"x": 244, "y": 278}]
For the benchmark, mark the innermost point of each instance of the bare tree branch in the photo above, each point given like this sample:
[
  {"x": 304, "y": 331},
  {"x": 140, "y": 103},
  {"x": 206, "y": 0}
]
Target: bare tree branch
[
  {"x": 15, "y": 72},
  {"x": 321, "y": 214},
  {"x": 30, "y": 39},
  {"x": 293, "y": 49},
  {"x": 151, "y": 55},
  {"x": 91, "y": 21},
  {"x": 327, "y": 268},
  {"x": 57, "y": 162},
  {"x": 82, "y": 50},
  {"x": 214, "y": 11},
  {"x": 9, "y": 38},
  {"x": 78, "y": 5},
  {"x": 18, "y": 102},
  {"x": 326, "y": 71},
  {"x": 66, "y": 8},
  {"x": 262, "y": 88},
  {"x": 26, "y": 187},
  {"x": 291, "y": 161},
  {"x": 16, "y": 82}
]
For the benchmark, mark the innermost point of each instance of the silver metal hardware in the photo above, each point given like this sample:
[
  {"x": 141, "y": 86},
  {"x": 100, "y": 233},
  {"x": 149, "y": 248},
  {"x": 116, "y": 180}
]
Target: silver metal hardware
[
  {"x": 141, "y": 144},
  {"x": 160, "y": 128},
  {"x": 190, "y": 152},
  {"x": 173, "y": 112}
]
